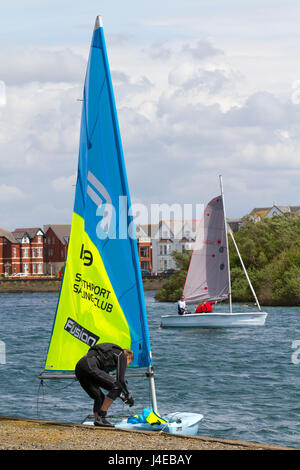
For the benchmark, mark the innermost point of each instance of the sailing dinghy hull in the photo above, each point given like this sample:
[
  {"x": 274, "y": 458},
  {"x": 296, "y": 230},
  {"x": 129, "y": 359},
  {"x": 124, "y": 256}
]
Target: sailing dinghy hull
[
  {"x": 214, "y": 320},
  {"x": 178, "y": 423}
]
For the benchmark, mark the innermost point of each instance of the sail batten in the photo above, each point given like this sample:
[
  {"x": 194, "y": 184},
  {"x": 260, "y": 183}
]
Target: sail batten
[{"x": 101, "y": 297}]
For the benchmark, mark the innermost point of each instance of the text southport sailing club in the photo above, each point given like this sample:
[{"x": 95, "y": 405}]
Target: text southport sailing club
[{"x": 95, "y": 294}]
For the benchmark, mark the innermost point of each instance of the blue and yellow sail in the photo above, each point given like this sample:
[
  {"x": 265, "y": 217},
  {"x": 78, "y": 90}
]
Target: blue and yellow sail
[{"x": 101, "y": 297}]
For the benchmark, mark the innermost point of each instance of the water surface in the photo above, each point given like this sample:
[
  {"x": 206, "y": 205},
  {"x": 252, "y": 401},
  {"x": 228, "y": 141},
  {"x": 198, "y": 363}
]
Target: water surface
[{"x": 244, "y": 381}]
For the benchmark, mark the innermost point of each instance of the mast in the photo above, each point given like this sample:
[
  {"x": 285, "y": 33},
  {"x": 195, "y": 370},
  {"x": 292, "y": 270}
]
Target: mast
[
  {"x": 227, "y": 246},
  {"x": 150, "y": 375},
  {"x": 135, "y": 256},
  {"x": 245, "y": 271}
]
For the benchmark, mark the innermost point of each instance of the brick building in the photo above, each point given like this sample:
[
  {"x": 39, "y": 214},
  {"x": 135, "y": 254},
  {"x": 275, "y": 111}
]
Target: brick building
[
  {"x": 22, "y": 251},
  {"x": 56, "y": 246},
  {"x": 144, "y": 249}
]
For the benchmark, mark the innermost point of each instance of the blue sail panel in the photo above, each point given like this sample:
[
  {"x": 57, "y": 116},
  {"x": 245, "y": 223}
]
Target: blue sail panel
[{"x": 102, "y": 297}]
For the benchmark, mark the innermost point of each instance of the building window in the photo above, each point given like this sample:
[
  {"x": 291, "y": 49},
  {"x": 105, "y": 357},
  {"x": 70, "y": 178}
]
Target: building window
[
  {"x": 14, "y": 252},
  {"x": 25, "y": 252},
  {"x": 40, "y": 268},
  {"x": 144, "y": 251}
]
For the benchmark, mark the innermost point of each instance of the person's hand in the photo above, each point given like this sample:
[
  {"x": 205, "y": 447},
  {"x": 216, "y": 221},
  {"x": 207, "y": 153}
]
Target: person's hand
[{"x": 127, "y": 399}]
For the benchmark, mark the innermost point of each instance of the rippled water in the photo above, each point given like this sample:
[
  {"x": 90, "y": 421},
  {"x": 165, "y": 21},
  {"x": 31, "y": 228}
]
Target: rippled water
[{"x": 244, "y": 381}]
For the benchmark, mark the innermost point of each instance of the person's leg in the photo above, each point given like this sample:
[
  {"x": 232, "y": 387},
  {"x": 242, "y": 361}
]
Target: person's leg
[
  {"x": 109, "y": 383},
  {"x": 106, "y": 404},
  {"x": 90, "y": 387},
  {"x": 91, "y": 378}
]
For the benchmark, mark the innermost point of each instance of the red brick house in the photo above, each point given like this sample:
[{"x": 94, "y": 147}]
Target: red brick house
[
  {"x": 144, "y": 249},
  {"x": 22, "y": 251},
  {"x": 56, "y": 245},
  {"x": 9, "y": 250}
]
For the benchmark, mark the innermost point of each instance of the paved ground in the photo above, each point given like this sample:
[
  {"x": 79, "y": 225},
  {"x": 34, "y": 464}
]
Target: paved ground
[{"x": 26, "y": 434}]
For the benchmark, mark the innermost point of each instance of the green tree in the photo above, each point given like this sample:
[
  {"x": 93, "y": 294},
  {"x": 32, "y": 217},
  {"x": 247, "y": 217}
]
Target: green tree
[
  {"x": 270, "y": 250},
  {"x": 172, "y": 289}
]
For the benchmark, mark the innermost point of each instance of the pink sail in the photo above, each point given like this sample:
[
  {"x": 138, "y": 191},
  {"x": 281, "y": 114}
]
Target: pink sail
[{"x": 207, "y": 277}]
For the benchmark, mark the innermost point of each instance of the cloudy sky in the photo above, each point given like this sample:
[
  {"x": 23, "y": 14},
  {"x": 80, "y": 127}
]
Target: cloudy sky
[{"x": 202, "y": 88}]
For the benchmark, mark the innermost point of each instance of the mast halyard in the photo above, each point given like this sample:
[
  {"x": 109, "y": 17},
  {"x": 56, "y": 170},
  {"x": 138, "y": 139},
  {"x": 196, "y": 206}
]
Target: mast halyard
[{"x": 227, "y": 246}]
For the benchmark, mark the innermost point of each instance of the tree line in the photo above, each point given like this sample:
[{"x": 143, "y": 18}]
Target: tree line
[{"x": 270, "y": 250}]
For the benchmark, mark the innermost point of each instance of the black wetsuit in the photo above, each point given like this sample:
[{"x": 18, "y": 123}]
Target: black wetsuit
[{"x": 92, "y": 372}]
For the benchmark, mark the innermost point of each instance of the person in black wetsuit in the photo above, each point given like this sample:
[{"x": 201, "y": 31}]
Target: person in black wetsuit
[{"x": 92, "y": 372}]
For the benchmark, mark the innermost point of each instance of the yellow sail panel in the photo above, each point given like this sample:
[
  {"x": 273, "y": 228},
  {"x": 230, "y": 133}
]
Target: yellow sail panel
[{"x": 88, "y": 311}]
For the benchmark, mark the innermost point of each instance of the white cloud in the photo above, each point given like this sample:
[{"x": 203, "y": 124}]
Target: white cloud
[
  {"x": 32, "y": 64},
  {"x": 188, "y": 110},
  {"x": 64, "y": 183},
  {"x": 10, "y": 194}
]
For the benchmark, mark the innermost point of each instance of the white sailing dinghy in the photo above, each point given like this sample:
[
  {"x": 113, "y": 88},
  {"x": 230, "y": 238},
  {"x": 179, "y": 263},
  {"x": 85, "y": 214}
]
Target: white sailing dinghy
[
  {"x": 208, "y": 277},
  {"x": 101, "y": 298}
]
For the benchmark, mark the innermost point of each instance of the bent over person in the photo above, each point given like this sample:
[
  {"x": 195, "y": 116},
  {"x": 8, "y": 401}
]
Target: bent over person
[{"x": 92, "y": 372}]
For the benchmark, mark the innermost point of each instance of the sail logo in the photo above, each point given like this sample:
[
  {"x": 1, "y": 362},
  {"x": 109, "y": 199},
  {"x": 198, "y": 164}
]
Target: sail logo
[
  {"x": 86, "y": 256},
  {"x": 80, "y": 333},
  {"x": 100, "y": 196}
]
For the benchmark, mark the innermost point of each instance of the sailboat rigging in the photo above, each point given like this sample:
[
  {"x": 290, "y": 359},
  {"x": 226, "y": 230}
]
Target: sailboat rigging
[
  {"x": 101, "y": 298},
  {"x": 208, "y": 277}
]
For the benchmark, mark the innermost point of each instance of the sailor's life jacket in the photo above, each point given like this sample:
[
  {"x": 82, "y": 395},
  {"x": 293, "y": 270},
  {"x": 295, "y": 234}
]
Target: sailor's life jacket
[
  {"x": 206, "y": 307},
  {"x": 147, "y": 416}
]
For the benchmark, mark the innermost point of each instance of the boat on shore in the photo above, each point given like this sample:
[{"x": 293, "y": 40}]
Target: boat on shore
[{"x": 101, "y": 298}]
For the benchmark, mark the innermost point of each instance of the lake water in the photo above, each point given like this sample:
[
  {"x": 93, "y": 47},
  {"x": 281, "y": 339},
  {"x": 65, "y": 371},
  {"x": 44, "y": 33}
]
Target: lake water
[{"x": 244, "y": 381}]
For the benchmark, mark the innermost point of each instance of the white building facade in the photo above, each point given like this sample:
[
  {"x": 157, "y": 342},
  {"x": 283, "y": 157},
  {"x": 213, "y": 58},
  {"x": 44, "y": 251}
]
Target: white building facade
[{"x": 170, "y": 236}]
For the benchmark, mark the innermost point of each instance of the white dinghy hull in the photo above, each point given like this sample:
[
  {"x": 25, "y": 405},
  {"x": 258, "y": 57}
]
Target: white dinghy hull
[
  {"x": 214, "y": 320},
  {"x": 178, "y": 423}
]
